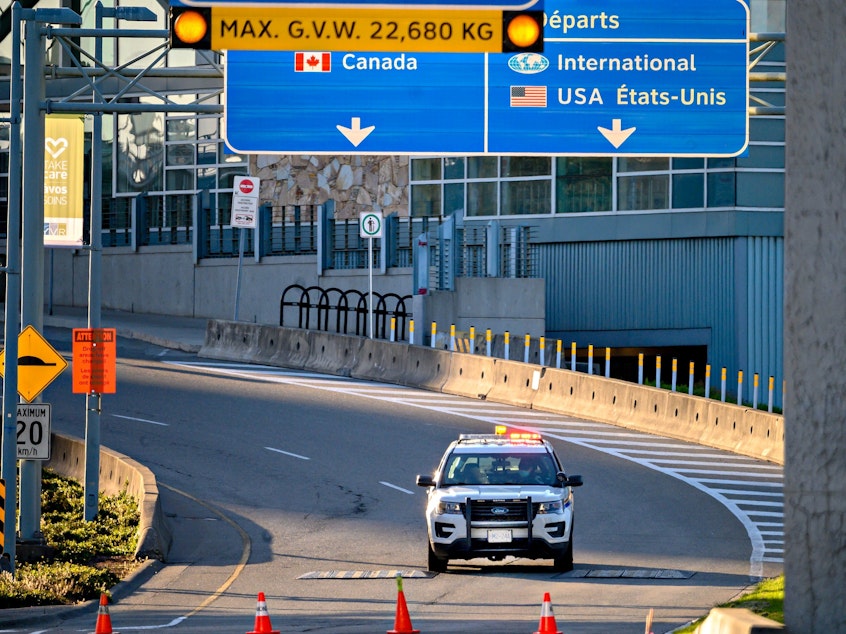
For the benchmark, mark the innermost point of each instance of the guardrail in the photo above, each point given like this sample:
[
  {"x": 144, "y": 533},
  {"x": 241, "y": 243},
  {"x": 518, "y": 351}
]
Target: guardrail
[
  {"x": 727, "y": 426},
  {"x": 553, "y": 353}
]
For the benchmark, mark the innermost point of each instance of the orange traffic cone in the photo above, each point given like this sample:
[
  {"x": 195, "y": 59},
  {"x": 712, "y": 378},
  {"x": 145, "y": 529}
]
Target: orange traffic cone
[
  {"x": 104, "y": 621},
  {"x": 547, "y": 619},
  {"x": 402, "y": 622},
  {"x": 262, "y": 625}
]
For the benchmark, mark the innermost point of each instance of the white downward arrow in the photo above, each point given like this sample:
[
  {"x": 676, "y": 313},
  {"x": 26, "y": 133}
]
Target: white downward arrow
[
  {"x": 616, "y": 135},
  {"x": 355, "y": 134}
]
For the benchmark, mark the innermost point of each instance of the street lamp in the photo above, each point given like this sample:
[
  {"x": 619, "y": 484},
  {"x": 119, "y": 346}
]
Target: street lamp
[{"x": 95, "y": 253}]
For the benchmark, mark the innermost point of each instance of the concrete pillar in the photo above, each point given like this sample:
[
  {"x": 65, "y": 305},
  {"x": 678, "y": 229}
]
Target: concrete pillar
[{"x": 815, "y": 318}]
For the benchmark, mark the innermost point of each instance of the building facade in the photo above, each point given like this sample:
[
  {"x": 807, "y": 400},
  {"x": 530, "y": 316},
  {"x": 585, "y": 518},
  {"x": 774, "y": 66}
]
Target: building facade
[{"x": 677, "y": 257}]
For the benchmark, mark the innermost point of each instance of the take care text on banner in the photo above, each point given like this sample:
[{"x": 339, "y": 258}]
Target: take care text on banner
[{"x": 64, "y": 150}]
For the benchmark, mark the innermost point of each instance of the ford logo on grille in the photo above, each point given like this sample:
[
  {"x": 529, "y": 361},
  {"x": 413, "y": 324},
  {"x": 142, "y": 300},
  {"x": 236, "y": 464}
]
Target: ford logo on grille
[{"x": 499, "y": 510}]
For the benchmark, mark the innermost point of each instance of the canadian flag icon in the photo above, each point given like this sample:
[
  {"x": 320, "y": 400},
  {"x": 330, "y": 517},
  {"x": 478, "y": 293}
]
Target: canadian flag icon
[{"x": 312, "y": 62}]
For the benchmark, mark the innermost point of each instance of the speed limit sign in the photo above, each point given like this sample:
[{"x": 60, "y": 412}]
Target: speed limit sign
[{"x": 34, "y": 431}]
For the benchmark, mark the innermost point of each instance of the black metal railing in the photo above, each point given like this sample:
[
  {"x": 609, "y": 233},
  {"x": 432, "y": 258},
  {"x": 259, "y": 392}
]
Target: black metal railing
[{"x": 344, "y": 311}]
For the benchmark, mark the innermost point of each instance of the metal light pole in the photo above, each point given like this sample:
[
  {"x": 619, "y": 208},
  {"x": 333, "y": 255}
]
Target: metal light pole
[
  {"x": 32, "y": 263},
  {"x": 13, "y": 292},
  {"x": 93, "y": 401}
]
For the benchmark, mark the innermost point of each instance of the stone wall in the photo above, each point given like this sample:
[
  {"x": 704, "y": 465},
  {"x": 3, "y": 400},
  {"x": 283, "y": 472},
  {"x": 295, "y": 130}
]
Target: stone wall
[{"x": 356, "y": 183}]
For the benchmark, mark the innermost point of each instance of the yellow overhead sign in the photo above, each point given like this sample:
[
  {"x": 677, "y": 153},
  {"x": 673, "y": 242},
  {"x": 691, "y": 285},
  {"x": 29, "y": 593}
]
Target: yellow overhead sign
[
  {"x": 359, "y": 29},
  {"x": 38, "y": 363}
]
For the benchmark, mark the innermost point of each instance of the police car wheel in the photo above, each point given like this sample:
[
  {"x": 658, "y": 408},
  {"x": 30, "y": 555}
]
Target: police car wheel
[
  {"x": 436, "y": 564},
  {"x": 564, "y": 562}
]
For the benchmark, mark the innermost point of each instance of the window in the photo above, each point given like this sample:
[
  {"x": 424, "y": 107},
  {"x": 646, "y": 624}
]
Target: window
[
  {"x": 641, "y": 190},
  {"x": 487, "y": 186},
  {"x": 481, "y": 186},
  {"x": 140, "y": 146},
  {"x": 583, "y": 184},
  {"x": 500, "y": 468}
]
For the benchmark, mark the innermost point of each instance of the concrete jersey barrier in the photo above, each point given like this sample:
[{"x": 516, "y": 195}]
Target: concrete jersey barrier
[{"x": 696, "y": 419}]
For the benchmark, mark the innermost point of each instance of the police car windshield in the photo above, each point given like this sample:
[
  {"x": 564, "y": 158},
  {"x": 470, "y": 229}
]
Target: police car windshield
[{"x": 500, "y": 469}]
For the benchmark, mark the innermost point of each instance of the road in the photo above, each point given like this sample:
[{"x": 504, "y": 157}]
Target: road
[{"x": 301, "y": 486}]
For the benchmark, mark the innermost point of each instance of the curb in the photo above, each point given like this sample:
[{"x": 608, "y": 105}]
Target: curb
[
  {"x": 158, "y": 341},
  {"x": 49, "y": 614}
]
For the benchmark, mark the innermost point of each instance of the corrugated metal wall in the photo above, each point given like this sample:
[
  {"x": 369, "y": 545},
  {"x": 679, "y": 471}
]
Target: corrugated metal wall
[
  {"x": 763, "y": 331},
  {"x": 727, "y": 290}
]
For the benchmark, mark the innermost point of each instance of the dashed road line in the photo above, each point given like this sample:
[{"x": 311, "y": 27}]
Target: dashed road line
[
  {"x": 396, "y": 488},
  {"x": 287, "y": 453},
  {"x": 710, "y": 470}
]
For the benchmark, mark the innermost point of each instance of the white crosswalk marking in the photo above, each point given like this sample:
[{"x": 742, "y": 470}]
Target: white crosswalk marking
[{"x": 750, "y": 489}]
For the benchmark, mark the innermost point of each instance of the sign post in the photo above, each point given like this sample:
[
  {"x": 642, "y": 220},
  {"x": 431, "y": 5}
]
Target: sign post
[
  {"x": 245, "y": 197},
  {"x": 3, "y": 515},
  {"x": 370, "y": 227}
]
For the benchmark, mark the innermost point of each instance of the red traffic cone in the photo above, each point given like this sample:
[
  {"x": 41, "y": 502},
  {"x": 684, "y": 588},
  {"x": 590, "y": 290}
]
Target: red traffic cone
[
  {"x": 402, "y": 622},
  {"x": 547, "y": 619},
  {"x": 104, "y": 621},
  {"x": 262, "y": 625}
]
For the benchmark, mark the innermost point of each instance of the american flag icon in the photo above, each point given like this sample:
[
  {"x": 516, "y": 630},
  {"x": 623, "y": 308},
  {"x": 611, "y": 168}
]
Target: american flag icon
[{"x": 528, "y": 96}]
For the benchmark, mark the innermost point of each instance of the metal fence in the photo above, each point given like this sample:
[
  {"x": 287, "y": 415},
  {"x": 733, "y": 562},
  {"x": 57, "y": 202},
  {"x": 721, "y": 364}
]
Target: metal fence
[{"x": 455, "y": 248}]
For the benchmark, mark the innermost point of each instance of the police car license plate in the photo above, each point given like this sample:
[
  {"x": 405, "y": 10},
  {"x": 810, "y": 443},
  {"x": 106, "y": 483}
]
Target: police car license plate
[{"x": 501, "y": 536}]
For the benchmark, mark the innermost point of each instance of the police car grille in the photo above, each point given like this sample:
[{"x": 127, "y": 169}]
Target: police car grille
[{"x": 498, "y": 511}]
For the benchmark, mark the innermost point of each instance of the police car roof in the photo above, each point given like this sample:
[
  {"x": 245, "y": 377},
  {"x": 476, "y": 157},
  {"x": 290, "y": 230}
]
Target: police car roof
[{"x": 491, "y": 441}]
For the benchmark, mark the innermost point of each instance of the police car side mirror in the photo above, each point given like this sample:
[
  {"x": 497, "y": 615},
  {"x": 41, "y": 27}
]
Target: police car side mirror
[
  {"x": 574, "y": 481},
  {"x": 425, "y": 481}
]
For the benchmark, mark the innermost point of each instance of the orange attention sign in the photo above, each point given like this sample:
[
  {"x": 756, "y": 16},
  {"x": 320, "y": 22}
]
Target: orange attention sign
[{"x": 94, "y": 360}]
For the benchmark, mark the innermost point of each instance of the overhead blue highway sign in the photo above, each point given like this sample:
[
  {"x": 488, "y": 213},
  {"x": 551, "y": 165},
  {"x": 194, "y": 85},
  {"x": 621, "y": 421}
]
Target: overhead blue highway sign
[
  {"x": 638, "y": 79},
  {"x": 507, "y": 5}
]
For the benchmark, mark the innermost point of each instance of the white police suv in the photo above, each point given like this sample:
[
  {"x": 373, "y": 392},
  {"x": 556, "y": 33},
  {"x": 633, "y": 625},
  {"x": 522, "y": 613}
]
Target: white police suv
[{"x": 496, "y": 495}]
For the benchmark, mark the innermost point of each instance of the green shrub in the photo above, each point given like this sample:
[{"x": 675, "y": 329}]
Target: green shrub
[
  {"x": 54, "y": 583},
  {"x": 89, "y": 556},
  {"x": 113, "y": 532}
]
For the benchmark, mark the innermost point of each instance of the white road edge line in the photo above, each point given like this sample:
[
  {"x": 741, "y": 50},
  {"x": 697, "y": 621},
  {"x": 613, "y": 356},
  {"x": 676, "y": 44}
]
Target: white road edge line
[
  {"x": 288, "y": 453},
  {"x": 394, "y": 486},
  {"x": 141, "y": 420}
]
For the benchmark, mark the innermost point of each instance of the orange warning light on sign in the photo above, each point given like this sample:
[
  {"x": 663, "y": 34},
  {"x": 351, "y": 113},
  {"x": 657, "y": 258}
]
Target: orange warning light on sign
[{"x": 94, "y": 360}]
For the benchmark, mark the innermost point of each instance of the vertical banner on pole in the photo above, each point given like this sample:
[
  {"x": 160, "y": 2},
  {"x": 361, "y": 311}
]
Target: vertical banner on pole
[{"x": 63, "y": 180}]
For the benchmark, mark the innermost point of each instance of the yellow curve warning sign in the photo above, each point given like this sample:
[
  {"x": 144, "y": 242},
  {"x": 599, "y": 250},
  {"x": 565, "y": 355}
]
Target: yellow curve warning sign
[{"x": 38, "y": 363}]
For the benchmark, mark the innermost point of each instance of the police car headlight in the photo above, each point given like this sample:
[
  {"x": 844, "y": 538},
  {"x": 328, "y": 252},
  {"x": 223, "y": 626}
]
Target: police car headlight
[
  {"x": 449, "y": 508},
  {"x": 551, "y": 507}
]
